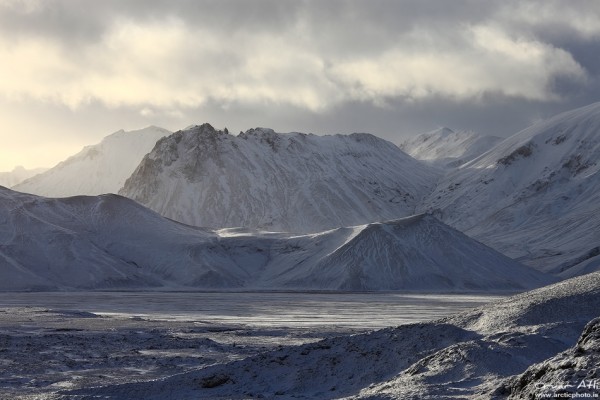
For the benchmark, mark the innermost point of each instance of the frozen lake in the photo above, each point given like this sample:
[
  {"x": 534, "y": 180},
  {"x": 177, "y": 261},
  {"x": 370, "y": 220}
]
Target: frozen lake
[
  {"x": 90, "y": 339},
  {"x": 259, "y": 309}
]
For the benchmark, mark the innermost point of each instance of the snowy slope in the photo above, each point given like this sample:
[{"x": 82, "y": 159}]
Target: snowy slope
[
  {"x": 535, "y": 196},
  {"x": 286, "y": 182},
  {"x": 18, "y": 175},
  {"x": 447, "y": 148},
  {"x": 110, "y": 241},
  {"x": 414, "y": 252},
  {"x": 88, "y": 242},
  {"x": 97, "y": 169},
  {"x": 574, "y": 371},
  {"x": 473, "y": 355}
]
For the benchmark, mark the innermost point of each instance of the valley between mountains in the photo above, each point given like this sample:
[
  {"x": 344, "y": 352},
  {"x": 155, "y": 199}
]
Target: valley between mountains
[
  {"x": 532, "y": 197},
  {"x": 201, "y": 209}
]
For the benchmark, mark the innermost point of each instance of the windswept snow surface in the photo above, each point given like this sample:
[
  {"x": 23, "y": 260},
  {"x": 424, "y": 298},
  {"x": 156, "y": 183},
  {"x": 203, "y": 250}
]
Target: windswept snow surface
[
  {"x": 290, "y": 182},
  {"x": 475, "y": 354},
  {"x": 112, "y": 242},
  {"x": 447, "y": 148},
  {"x": 535, "y": 196},
  {"x": 18, "y": 175},
  {"x": 97, "y": 169}
]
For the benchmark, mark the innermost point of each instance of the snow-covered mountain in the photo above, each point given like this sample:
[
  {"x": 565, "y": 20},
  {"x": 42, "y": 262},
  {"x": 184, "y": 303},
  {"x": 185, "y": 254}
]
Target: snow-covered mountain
[
  {"x": 87, "y": 242},
  {"x": 97, "y": 169},
  {"x": 447, "y": 148},
  {"x": 535, "y": 196},
  {"x": 110, "y": 241},
  {"x": 413, "y": 252},
  {"x": 18, "y": 175},
  {"x": 290, "y": 182}
]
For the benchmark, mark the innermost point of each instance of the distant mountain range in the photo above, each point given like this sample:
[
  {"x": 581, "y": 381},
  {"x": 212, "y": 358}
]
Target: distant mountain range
[
  {"x": 447, "y": 148},
  {"x": 534, "y": 196},
  {"x": 18, "y": 175},
  {"x": 97, "y": 169}
]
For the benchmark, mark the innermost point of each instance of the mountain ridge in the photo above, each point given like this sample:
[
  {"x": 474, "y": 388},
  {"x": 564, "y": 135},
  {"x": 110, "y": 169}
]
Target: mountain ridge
[
  {"x": 446, "y": 148},
  {"x": 535, "y": 195},
  {"x": 291, "y": 182},
  {"x": 111, "y": 242}
]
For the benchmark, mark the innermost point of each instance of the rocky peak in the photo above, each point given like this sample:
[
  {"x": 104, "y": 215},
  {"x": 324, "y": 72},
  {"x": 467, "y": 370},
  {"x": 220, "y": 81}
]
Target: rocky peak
[{"x": 264, "y": 135}]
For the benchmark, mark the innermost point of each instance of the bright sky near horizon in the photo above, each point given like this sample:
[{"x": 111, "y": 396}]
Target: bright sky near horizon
[{"x": 72, "y": 72}]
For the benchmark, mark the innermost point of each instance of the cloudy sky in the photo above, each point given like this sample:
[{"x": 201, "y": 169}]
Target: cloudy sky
[{"x": 74, "y": 71}]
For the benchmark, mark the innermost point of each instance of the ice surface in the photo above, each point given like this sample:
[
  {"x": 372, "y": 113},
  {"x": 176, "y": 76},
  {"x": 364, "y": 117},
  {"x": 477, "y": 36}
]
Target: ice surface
[
  {"x": 259, "y": 309},
  {"x": 118, "y": 337}
]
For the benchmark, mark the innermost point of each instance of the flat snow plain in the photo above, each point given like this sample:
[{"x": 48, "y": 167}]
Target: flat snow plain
[{"x": 50, "y": 342}]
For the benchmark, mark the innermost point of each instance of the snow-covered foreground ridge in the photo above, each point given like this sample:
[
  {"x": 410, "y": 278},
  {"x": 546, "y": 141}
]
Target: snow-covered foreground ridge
[
  {"x": 291, "y": 182},
  {"x": 475, "y": 354},
  {"x": 535, "y": 196},
  {"x": 97, "y": 169},
  {"x": 112, "y": 242}
]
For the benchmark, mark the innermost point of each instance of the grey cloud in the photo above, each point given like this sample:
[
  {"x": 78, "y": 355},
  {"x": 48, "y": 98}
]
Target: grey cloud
[
  {"x": 329, "y": 32},
  {"x": 88, "y": 20},
  {"x": 53, "y": 20},
  {"x": 335, "y": 26}
]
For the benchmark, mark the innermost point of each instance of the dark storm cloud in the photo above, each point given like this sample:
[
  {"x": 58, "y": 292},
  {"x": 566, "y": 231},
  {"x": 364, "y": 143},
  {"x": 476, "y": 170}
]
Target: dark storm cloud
[
  {"x": 586, "y": 51},
  {"x": 573, "y": 26}
]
